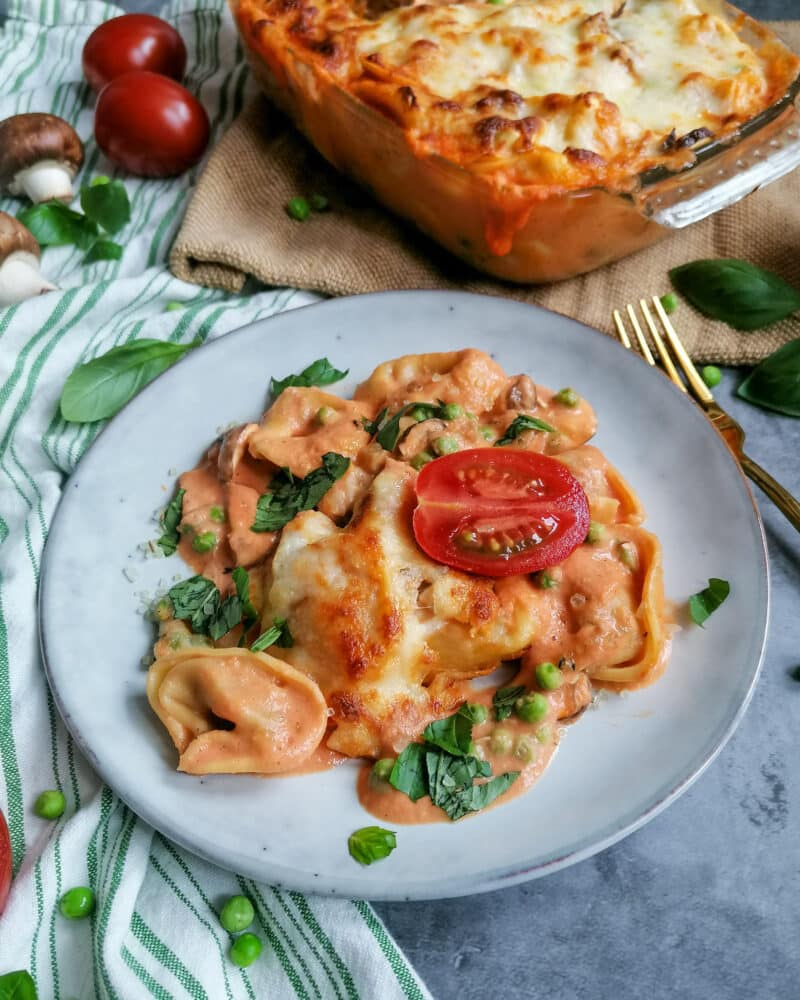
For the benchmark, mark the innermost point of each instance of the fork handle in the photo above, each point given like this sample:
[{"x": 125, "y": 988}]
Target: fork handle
[{"x": 781, "y": 497}]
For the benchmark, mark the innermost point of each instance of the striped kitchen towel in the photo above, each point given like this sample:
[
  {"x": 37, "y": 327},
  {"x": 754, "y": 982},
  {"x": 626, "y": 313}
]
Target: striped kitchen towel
[{"x": 155, "y": 931}]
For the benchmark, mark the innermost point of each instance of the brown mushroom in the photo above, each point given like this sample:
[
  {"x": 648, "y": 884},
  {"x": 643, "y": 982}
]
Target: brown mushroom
[
  {"x": 20, "y": 277},
  {"x": 39, "y": 156}
]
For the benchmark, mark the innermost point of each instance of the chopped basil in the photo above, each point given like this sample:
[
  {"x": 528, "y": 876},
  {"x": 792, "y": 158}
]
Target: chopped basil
[
  {"x": 431, "y": 768},
  {"x": 319, "y": 372},
  {"x": 453, "y": 734},
  {"x": 371, "y": 843},
  {"x": 288, "y": 495},
  {"x": 519, "y": 425},
  {"x": 503, "y": 701},
  {"x": 17, "y": 986},
  {"x": 277, "y": 635},
  {"x": 387, "y": 432},
  {"x": 241, "y": 580},
  {"x": 170, "y": 519},
  {"x": 198, "y": 601},
  {"x": 101, "y": 387},
  {"x": 775, "y": 383},
  {"x": 739, "y": 293},
  {"x": 708, "y": 600}
]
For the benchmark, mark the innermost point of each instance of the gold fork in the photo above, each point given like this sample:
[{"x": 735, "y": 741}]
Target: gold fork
[{"x": 731, "y": 432}]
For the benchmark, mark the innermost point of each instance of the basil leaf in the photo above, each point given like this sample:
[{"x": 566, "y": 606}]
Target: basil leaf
[
  {"x": 101, "y": 387},
  {"x": 319, "y": 372},
  {"x": 371, "y": 843},
  {"x": 241, "y": 580},
  {"x": 107, "y": 204},
  {"x": 520, "y": 424},
  {"x": 453, "y": 734},
  {"x": 170, "y": 519},
  {"x": 189, "y": 596},
  {"x": 54, "y": 224},
  {"x": 743, "y": 295},
  {"x": 389, "y": 434},
  {"x": 708, "y": 600},
  {"x": 103, "y": 250},
  {"x": 277, "y": 635},
  {"x": 503, "y": 701},
  {"x": 452, "y": 787},
  {"x": 198, "y": 601},
  {"x": 775, "y": 383},
  {"x": 477, "y": 797},
  {"x": 408, "y": 774},
  {"x": 226, "y": 616},
  {"x": 17, "y": 986},
  {"x": 373, "y": 426},
  {"x": 289, "y": 495}
]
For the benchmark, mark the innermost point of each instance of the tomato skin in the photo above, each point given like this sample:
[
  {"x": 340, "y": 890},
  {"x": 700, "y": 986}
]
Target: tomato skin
[
  {"x": 132, "y": 42},
  {"x": 499, "y": 511},
  {"x": 150, "y": 125},
  {"x": 5, "y": 862}
]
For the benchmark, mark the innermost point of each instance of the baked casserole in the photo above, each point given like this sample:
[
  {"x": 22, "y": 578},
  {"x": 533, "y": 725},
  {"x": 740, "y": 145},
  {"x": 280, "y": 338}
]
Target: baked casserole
[{"x": 522, "y": 135}]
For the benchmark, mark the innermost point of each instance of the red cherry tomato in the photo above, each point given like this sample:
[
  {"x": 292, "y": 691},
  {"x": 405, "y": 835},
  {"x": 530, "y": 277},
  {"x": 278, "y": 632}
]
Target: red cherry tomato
[
  {"x": 499, "y": 511},
  {"x": 149, "y": 125},
  {"x": 133, "y": 41},
  {"x": 5, "y": 862}
]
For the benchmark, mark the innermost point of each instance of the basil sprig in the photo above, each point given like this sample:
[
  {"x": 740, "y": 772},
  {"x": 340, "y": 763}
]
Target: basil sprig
[
  {"x": 386, "y": 429},
  {"x": 443, "y": 768},
  {"x": 519, "y": 425},
  {"x": 277, "y": 635},
  {"x": 775, "y": 383},
  {"x": 170, "y": 520},
  {"x": 101, "y": 387},
  {"x": 241, "y": 580},
  {"x": 106, "y": 210},
  {"x": 288, "y": 494},
  {"x": 503, "y": 700},
  {"x": 319, "y": 372},
  {"x": 707, "y": 601},
  {"x": 371, "y": 843},
  {"x": 739, "y": 293},
  {"x": 17, "y": 986}
]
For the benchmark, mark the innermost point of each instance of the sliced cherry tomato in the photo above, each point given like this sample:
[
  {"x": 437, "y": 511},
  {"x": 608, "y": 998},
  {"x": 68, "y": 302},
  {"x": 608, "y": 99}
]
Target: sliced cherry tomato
[
  {"x": 5, "y": 862},
  {"x": 499, "y": 511},
  {"x": 133, "y": 41},
  {"x": 149, "y": 125}
]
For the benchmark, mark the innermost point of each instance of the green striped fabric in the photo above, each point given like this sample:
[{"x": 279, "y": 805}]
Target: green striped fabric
[{"x": 155, "y": 932}]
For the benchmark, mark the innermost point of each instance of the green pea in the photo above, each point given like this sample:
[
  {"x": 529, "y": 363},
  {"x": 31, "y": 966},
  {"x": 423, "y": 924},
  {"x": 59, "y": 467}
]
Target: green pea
[
  {"x": 50, "y": 805},
  {"x": 629, "y": 554},
  {"x": 501, "y": 741},
  {"x": 237, "y": 914},
  {"x": 324, "y": 415},
  {"x": 596, "y": 533},
  {"x": 669, "y": 302},
  {"x": 525, "y": 749},
  {"x": 217, "y": 514},
  {"x": 548, "y": 676},
  {"x": 531, "y": 707},
  {"x": 546, "y": 581},
  {"x": 77, "y": 902},
  {"x": 711, "y": 375},
  {"x": 319, "y": 203},
  {"x": 204, "y": 542},
  {"x": 382, "y": 769},
  {"x": 173, "y": 307},
  {"x": 478, "y": 713},
  {"x": 298, "y": 209},
  {"x": 419, "y": 413},
  {"x": 452, "y": 411},
  {"x": 567, "y": 397},
  {"x": 445, "y": 445},
  {"x": 245, "y": 950},
  {"x": 487, "y": 433},
  {"x": 420, "y": 459},
  {"x": 542, "y": 734}
]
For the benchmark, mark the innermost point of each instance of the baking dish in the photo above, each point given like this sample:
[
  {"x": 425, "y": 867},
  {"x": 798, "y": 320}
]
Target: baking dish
[{"x": 524, "y": 230}]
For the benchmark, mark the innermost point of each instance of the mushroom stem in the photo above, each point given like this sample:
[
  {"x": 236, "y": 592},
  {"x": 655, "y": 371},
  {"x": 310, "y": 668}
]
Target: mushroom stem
[
  {"x": 47, "y": 180},
  {"x": 21, "y": 279}
]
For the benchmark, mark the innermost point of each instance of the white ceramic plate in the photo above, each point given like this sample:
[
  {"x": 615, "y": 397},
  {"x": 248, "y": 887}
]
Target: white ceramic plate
[{"x": 620, "y": 765}]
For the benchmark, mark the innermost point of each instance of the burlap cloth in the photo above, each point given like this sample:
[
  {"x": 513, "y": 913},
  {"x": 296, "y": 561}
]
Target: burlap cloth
[{"x": 236, "y": 225}]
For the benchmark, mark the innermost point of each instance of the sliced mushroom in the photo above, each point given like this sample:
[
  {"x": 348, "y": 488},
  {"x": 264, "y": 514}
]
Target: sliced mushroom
[
  {"x": 521, "y": 394},
  {"x": 20, "y": 277},
  {"x": 39, "y": 156}
]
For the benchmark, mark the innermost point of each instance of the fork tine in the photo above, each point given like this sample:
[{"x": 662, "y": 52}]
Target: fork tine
[
  {"x": 699, "y": 387},
  {"x": 644, "y": 346},
  {"x": 623, "y": 333},
  {"x": 663, "y": 353}
]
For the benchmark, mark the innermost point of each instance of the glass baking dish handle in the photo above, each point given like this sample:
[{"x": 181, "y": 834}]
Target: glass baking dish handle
[{"x": 726, "y": 175}]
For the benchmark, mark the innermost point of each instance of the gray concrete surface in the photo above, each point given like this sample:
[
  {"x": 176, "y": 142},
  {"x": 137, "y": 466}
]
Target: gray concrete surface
[{"x": 703, "y": 903}]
